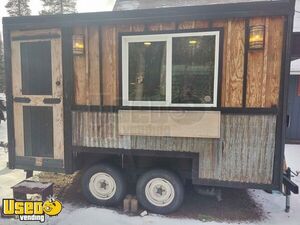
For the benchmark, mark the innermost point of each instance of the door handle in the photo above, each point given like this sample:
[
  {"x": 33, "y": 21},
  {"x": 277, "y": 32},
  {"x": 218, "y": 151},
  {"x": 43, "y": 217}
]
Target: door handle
[
  {"x": 288, "y": 120},
  {"x": 51, "y": 100},
  {"x": 22, "y": 99}
]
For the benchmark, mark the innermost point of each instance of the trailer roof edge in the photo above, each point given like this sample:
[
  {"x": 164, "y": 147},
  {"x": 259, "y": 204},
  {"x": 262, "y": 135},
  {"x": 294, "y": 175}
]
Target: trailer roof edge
[{"x": 216, "y": 11}]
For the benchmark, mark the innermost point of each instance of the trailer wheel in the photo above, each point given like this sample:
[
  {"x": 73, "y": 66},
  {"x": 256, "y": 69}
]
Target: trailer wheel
[
  {"x": 103, "y": 184},
  {"x": 160, "y": 191}
]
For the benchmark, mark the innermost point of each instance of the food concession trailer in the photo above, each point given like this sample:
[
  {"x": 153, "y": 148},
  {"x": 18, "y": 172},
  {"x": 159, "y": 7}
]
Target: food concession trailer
[{"x": 158, "y": 96}]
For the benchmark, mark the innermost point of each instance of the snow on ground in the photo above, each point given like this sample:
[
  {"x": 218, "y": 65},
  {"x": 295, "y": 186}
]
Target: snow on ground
[
  {"x": 273, "y": 205},
  {"x": 8, "y": 177}
]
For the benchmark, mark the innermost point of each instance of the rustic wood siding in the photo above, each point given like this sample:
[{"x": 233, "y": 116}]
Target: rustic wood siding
[
  {"x": 263, "y": 71},
  {"x": 233, "y": 61},
  {"x": 87, "y": 68},
  {"x": 264, "y": 67},
  {"x": 110, "y": 65},
  {"x": 245, "y": 151}
]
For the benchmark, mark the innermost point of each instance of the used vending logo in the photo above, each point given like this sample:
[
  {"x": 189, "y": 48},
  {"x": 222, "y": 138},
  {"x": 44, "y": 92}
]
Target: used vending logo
[{"x": 31, "y": 210}]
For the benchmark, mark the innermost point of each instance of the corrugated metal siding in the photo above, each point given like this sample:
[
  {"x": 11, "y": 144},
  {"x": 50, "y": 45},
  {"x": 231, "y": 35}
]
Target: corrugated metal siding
[
  {"x": 244, "y": 153},
  {"x": 247, "y": 153},
  {"x": 93, "y": 129}
]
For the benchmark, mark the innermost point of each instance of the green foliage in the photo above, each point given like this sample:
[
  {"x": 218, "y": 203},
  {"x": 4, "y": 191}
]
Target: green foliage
[
  {"x": 51, "y": 7},
  {"x": 2, "y": 74},
  {"x": 18, "y": 7}
]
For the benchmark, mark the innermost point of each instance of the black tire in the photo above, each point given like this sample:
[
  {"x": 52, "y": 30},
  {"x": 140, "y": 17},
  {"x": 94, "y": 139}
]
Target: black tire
[
  {"x": 172, "y": 178},
  {"x": 115, "y": 173}
]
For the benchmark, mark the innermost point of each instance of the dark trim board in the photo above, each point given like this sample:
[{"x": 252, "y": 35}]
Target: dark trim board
[
  {"x": 283, "y": 98},
  {"x": 172, "y": 14},
  {"x": 35, "y": 37},
  {"x": 136, "y": 152},
  {"x": 9, "y": 99},
  {"x": 67, "y": 61},
  {"x": 224, "y": 110},
  {"x": 246, "y": 51},
  {"x": 292, "y": 142},
  {"x": 220, "y": 71},
  {"x": 233, "y": 184},
  {"x": 176, "y": 30},
  {"x": 166, "y": 154}
]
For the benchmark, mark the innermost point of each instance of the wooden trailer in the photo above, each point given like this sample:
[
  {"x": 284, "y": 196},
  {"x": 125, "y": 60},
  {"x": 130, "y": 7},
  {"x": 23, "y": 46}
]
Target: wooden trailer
[{"x": 154, "y": 96}]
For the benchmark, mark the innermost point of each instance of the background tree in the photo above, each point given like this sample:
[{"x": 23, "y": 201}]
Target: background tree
[
  {"x": 51, "y": 7},
  {"x": 2, "y": 76},
  {"x": 18, "y": 7}
]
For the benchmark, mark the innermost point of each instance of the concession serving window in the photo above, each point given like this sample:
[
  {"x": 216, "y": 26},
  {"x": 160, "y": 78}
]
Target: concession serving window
[{"x": 178, "y": 69}]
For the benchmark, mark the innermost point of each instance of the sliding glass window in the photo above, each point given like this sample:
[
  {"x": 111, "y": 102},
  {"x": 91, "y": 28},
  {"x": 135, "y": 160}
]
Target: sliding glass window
[{"x": 179, "y": 69}]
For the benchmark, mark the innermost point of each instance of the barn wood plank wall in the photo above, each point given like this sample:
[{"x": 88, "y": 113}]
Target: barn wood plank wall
[
  {"x": 264, "y": 67},
  {"x": 233, "y": 63},
  {"x": 244, "y": 153},
  {"x": 87, "y": 68},
  {"x": 263, "y": 72}
]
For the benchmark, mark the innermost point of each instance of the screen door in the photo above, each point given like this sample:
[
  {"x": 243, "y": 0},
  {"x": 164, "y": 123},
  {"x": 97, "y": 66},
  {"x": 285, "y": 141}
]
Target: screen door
[{"x": 38, "y": 98}]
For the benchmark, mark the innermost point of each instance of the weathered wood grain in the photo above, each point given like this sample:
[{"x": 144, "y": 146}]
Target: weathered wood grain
[
  {"x": 29, "y": 33},
  {"x": 94, "y": 68},
  {"x": 109, "y": 65},
  {"x": 80, "y": 75},
  {"x": 186, "y": 25},
  {"x": 201, "y": 24},
  {"x": 137, "y": 27},
  {"x": 264, "y": 66},
  {"x": 234, "y": 60},
  {"x": 87, "y": 69},
  {"x": 161, "y": 26},
  {"x": 275, "y": 31}
]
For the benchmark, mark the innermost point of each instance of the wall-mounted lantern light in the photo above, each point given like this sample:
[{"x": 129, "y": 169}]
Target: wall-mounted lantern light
[
  {"x": 78, "y": 44},
  {"x": 257, "y": 37}
]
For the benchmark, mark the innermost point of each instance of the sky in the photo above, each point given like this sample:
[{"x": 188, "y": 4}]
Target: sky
[
  {"x": 82, "y": 6},
  {"x": 297, "y": 16}
]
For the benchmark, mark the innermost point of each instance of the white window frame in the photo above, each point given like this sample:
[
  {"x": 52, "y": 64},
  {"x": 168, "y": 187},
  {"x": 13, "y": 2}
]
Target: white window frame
[{"x": 168, "y": 39}]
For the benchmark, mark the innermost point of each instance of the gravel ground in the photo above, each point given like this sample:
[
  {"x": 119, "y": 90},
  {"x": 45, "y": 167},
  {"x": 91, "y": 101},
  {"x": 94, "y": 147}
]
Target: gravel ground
[{"x": 236, "y": 206}]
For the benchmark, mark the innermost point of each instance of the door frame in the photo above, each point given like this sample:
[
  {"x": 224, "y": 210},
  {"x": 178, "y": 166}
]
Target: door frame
[{"x": 66, "y": 56}]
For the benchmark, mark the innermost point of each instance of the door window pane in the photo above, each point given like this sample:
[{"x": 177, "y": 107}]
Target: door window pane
[
  {"x": 36, "y": 68},
  {"x": 147, "y": 71},
  {"x": 38, "y": 131},
  {"x": 193, "y": 60}
]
